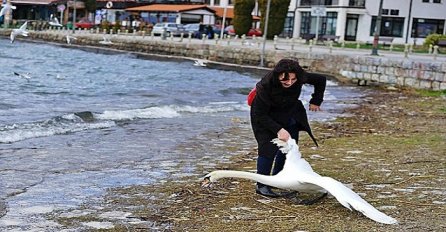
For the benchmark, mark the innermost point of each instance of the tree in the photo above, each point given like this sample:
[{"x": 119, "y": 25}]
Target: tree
[
  {"x": 277, "y": 14},
  {"x": 242, "y": 16},
  {"x": 90, "y": 5}
]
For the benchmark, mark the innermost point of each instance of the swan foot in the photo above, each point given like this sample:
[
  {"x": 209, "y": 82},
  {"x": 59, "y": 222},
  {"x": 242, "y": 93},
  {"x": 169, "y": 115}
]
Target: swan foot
[{"x": 308, "y": 201}]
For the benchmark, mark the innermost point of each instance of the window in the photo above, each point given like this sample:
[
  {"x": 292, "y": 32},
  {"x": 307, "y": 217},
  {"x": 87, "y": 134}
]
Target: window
[
  {"x": 421, "y": 28},
  {"x": 437, "y": 1},
  {"x": 394, "y": 12},
  {"x": 356, "y": 3},
  {"x": 288, "y": 26},
  {"x": 390, "y": 26},
  {"x": 319, "y": 2},
  {"x": 327, "y": 25},
  {"x": 385, "y": 11},
  {"x": 305, "y": 24},
  {"x": 426, "y": 1}
]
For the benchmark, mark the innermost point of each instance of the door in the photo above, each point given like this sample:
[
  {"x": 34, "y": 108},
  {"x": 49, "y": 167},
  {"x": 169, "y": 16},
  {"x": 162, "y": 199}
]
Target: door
[{"x": 351, "y": 27}]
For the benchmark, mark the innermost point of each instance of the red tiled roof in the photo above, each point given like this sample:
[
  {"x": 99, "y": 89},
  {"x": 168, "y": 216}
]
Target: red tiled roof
[
  {"x": 168, "y": 8},
  {"x": 229, "y": 12},
  {"x": 220, "y": 10}
]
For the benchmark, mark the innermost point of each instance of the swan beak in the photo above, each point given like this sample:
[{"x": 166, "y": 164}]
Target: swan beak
[{"x": 206, "y": 183}]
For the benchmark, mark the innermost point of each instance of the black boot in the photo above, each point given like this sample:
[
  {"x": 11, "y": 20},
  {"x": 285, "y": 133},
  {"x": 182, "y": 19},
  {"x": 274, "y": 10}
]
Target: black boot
[{"x": 266, "y": 191}]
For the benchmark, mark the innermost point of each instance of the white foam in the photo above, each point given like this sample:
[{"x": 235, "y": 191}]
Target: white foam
[
  {"x": 213, "y": 107},
  {"x": 21, "y": 132},
  {"x": 99, "y": 225},
  {"x": 152, "y": 112}
]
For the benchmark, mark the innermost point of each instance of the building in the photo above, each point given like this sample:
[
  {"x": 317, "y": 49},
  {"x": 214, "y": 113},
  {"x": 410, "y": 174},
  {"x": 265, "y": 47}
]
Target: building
[
  {"x": 406, "y": 21},
  {"x": 174, "y": 13}
]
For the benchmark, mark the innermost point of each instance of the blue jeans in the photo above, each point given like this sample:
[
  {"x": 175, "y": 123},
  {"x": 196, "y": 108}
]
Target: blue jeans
[{"x": 265, "y": 164}]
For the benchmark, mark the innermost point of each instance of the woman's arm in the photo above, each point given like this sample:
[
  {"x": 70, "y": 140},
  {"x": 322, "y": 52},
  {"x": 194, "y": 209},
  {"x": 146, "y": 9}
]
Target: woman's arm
[{"x": 319, "y": 82}]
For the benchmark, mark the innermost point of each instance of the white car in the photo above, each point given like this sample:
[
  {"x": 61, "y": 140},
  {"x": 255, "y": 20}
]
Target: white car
[{"x": 174, "y": 29}]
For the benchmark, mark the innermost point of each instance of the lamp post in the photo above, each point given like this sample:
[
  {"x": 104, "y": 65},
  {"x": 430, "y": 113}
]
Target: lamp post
[
  {"x": 265, "y": 31},
  {"x": 222, "y": 30},
  {"x": 74, "y": 17},
  {"x": 377, "y": 30}
]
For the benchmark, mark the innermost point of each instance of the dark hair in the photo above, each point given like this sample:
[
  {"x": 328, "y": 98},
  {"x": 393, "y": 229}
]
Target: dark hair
[{"x": 289, "y": 65}]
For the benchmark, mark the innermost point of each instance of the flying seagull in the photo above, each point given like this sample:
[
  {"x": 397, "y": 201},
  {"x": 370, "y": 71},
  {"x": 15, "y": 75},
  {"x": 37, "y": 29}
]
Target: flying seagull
[
  {"x": 21, "y": 31},
  {"x": 298, "y": 175},
  {"x": 105, "y": 41},
  {"x": 54, "y": 22},
  {"x": 199, "y": 62},
  {"x": 7, "y": 7},
  {"x": 23, "y": 75},
  {"x": 70, "y": 38}
]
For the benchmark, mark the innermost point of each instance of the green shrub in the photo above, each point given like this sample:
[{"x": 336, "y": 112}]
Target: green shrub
[
  {"x": 242, "y": 16},
  {"x": 277, "y": 13},
  {"x": 433, "y": 39}
]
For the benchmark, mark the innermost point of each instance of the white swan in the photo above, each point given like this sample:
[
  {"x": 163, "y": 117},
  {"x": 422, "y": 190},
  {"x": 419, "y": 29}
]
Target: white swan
[
  {"x": 21, "y": 31},
  {"x": 298, "y": 175}
]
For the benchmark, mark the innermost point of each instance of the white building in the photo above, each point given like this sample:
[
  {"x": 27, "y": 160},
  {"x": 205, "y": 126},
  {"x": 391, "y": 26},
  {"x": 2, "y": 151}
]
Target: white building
[{"x": 406, "y": 21}]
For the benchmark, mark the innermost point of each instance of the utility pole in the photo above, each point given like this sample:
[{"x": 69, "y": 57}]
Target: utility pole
[
  {"x": 408, "y": 21},
  {"x": 265, "y": 31},
  {"x": 377, "y": 29}
]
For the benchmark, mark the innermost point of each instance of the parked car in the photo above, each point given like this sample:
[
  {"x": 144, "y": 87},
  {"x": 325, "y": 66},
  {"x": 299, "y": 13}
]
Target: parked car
[
  {"x": 174, "y": 29},
  {"x": 253, "y": 31},
  {"x": 193, "y": 29},
  {"x": 84, "y": 24},
  {"x": 197, "y": 30}
]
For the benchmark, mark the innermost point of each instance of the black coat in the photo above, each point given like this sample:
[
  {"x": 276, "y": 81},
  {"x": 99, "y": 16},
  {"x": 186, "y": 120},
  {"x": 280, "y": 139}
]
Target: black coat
[{"x": 274, "y": 106}]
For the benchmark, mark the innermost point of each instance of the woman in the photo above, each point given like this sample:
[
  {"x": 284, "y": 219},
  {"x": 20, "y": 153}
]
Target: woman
[{"x": 276, "y": 111}]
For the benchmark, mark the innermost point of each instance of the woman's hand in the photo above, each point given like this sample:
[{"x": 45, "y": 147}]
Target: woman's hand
[
  {"x": 314, "y": 107},
  {"x": 283, "y": 135}
]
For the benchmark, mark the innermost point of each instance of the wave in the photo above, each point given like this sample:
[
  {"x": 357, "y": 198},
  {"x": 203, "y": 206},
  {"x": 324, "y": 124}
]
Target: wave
[{"x": 87, "y": 120}]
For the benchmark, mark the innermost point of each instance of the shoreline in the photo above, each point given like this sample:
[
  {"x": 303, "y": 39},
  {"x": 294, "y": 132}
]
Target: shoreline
[{"x": 380, "y": 150}]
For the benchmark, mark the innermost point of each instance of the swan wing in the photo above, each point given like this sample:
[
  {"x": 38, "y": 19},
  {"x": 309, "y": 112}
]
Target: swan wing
[{"x": 347, "y": 197}]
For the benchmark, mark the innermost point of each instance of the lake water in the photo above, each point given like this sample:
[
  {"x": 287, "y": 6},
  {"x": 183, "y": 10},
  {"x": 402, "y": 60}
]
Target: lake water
[{"x": 85, "y": 122}]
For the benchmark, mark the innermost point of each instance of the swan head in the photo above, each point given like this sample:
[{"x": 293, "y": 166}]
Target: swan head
[
  {"x": 213, "y": 177},
  {"x": 207, "y": 180}
]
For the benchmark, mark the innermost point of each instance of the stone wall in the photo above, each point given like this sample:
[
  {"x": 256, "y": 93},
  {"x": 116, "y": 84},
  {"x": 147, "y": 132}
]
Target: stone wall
[{"x": 393, "y": 71}]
